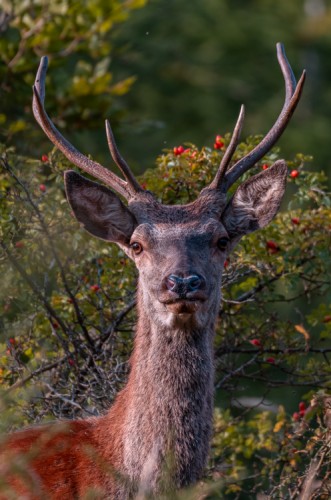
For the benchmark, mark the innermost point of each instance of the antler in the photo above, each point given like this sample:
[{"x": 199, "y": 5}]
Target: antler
[
  {"x": 293, "y": 92},
  {"x": 127, "y": 188}
]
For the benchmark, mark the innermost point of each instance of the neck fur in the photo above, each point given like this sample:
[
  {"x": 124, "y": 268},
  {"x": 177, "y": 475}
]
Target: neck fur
[{"x": 169, "y": 405}]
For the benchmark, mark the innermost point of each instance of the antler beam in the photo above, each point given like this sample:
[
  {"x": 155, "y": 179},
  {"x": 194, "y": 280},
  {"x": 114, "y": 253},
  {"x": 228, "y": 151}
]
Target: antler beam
[
  {"x": 293, "y": 92},
  {"x": 127, "y": 188}
]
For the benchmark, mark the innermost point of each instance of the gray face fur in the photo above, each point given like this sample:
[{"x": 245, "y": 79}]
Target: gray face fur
[{"x": 172, "y": 244}]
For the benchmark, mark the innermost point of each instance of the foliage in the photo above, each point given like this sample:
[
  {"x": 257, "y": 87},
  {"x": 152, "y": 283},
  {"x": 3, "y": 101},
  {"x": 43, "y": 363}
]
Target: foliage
[
  {"x": 197, "y": 64},
  {"x": 68, "y": 316},
  {"x": 79, "y": 38}
]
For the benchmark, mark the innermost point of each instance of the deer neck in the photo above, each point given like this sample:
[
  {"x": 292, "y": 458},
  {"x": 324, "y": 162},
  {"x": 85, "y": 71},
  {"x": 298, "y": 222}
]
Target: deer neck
[{"x": 169, "y": 414}]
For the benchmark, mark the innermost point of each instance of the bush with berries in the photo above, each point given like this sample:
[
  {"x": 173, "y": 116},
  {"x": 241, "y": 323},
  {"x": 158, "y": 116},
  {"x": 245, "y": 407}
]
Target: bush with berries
[{"x": 68, "y": 315}]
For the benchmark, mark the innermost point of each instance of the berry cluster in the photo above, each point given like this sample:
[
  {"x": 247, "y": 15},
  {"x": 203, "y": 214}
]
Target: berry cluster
[{"x": 298, "y": 415}]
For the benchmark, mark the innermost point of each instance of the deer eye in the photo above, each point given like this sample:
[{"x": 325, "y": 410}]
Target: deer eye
[
  {"x": 222, "y": 243},
  {"x": 136, "y": 247}
]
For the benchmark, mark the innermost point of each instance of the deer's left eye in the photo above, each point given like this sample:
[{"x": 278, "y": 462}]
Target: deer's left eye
[{"x": 222, "y": 243}]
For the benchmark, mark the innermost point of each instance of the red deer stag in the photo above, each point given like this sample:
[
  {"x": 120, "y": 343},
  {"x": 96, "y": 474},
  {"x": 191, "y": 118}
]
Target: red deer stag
[{"x": 155, "y": 438}]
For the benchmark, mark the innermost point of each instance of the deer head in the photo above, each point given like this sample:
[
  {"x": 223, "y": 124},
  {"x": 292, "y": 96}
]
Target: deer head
[{"x": 179, "y": 250}]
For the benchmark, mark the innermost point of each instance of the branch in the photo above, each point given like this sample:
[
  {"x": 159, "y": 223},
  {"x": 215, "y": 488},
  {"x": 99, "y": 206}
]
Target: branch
[
  {"x": 43, "y": 369},
  {"x": 53, "y": 250}
]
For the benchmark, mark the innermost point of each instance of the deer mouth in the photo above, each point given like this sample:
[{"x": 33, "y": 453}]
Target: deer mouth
[{"x": 183, "y": 306}]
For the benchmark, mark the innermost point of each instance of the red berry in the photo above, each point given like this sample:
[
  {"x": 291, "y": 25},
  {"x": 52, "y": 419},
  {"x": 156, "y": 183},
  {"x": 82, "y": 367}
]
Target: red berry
[
  {"x": 327, "y": 318},
  {"x": 272, "y": 246},
  {"x": 179, "y": 150},
  {"x": 44, "y": 158},
  {"x": 187, "y": 150},
  {"x": 265, "y": 166},
  {"x": 19, "y": 244},
  {"x": 94, "y": 288},
  {"x": 226, "y": 264},
  {"x": 219, "y": 140},
  {"x": 294, "y": 174},
  {"x": 193, "y": 155},
  {"x": 302, "y": 406},
  {"x": 270, "y": 360},
  {"x": 256, "y": 342},
  {"x": 55, "y": 325},
  {"x": 42, "y": 188},
  {"x": 218, "y": 145},
  {"x": 295, "y": 220},
  {"x": 143, "y": 185},
  {"x": 12, "y": 341},
  {"x": 296, "y": 416},
  {"x": 71, "y": 362}
]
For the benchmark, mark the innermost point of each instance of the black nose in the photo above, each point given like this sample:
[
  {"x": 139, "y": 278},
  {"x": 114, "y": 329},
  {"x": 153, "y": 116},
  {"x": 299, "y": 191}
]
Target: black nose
[{"x": 182, "y": 286}]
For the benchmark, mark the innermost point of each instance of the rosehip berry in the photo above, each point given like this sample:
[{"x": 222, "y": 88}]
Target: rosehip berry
[
  {"x": 270, "y": 360},
  {"x": 296, "y": 416},
  {"x": 295, "y": 220},
  {"x": 42, "y": 188},
  {"x": 218, "y": 145},
  {"x": 272, "y": 246},
  {"x": 256, "y": 342},
  {"x": 44, "y": 158},
  {"x": 219, "y": 140},
  {"x": 302, "y": 406},
  {"x": 179, "y": 150},
  {"x": 12, "y": 341},
  {"x": 265, "y": 166},
  {"x": 294, "y": 174},
  {"x": 94, "y": 288},
  {"x": 19, "y": 244},
  {"x": 327, "y": 318}
]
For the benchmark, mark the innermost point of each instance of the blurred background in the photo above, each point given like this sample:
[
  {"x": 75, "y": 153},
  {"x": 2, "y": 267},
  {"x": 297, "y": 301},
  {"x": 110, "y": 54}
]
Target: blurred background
[{"x": 165, "y": 72}]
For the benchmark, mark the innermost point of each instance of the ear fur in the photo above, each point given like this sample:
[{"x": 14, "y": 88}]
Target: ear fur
[
  {"x": 256, "y": 201},
  {"x": 98, "y": 209}
]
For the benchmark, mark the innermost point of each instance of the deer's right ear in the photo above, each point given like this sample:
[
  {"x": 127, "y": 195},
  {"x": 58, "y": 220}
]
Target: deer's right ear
[{"x": 98, "y": 209}]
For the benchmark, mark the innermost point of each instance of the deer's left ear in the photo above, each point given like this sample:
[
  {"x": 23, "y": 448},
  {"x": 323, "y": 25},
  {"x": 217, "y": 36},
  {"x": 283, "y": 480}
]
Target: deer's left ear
[{"x": 256, "y": 201}]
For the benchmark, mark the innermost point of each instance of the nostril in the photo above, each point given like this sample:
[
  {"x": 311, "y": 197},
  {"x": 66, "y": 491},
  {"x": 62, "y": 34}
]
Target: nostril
[
  {"x": 172, "y": 281},
  {"x": 194, "y": 282}
]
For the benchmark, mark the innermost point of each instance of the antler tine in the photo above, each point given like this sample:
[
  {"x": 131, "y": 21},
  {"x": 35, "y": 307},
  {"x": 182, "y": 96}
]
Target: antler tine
[
  {"x": 216, "y": 183},
  {"x": 119, "y": 160},
  {"x": 73, "y": 155},
  {"x": 292, "y": 96}
]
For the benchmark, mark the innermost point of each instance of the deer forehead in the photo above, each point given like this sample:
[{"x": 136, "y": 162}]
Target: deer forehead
[{"x": 179, "y": 232}]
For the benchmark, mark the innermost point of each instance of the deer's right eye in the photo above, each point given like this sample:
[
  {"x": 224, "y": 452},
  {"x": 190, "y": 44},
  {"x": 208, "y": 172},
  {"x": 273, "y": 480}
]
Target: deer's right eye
[{"x": 136, "y": 247}]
